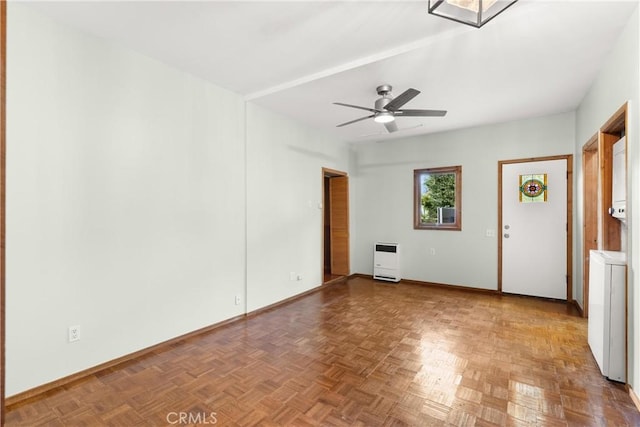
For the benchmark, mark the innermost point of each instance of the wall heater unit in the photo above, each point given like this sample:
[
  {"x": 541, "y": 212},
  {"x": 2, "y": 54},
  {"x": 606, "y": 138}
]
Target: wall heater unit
[{"x": 386, "y": 261}]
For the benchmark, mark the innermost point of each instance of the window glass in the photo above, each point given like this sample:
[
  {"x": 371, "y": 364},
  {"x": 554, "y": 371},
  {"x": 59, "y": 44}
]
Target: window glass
[{"x": 437, "y": 199}]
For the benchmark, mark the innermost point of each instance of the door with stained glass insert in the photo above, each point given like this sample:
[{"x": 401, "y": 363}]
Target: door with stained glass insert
[{"x": 534, "y": 228}]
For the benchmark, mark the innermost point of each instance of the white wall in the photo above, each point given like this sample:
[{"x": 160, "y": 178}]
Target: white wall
[
  {"x": 284, "y": 190},
  {"x": 131, "y": 189},
  {"x": 125, "y": 201},
  {"x": 617, "y": 83},
  {"x": 384, "y": 196}
]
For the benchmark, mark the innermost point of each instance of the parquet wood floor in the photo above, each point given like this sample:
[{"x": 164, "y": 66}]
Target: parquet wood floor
[{"x": 360, "y": 353}]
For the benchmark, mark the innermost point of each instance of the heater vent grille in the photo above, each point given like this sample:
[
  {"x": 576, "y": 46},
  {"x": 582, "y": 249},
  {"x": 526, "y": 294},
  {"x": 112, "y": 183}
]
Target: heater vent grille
[{"x": 386, "y": 261}]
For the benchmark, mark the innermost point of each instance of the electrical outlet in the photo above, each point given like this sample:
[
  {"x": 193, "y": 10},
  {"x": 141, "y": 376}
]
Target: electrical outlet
[
  {"x": 299, "y": 277},
  {"x": 238, "y": 299},
  {"x": 74, "y": 333},
  {"x": 490, "y": 232},
  {"x": 432, "y": 251}
]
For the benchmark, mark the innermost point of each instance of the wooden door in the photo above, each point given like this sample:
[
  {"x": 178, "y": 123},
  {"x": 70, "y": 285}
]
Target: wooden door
[
  {"x": 339, "y": 224},
  {"x": 534, "y": 229}
]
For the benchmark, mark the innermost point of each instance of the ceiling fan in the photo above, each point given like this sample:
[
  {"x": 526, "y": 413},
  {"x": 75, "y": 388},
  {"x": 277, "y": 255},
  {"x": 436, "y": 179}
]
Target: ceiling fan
[{"x": 387, "y": 108}]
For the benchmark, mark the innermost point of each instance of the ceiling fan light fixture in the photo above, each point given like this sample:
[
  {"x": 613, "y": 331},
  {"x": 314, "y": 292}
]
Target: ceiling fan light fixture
[
  {"x": 384, "y": 117},
  {"x": 470, "y": 12},
  {"x": 387, "y": 107}
]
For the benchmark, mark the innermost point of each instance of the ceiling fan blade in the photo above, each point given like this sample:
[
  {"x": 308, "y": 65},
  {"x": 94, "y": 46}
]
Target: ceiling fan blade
[
  {"x": 356, "y": 106},
  {"x": 356, "y": 120},
  {"x": 397, "y": 102},
  {"x": 391, "y": 126},
  {"x": 420, "y": 113}
]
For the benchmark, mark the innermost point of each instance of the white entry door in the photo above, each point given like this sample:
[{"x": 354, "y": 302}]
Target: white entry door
[{"x": 534, "y": 228}]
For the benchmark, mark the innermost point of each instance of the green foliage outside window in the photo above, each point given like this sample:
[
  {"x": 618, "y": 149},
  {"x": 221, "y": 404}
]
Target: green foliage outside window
[
  {"x": 437, "y": 202},
  {"x": 439, "y": 191}
]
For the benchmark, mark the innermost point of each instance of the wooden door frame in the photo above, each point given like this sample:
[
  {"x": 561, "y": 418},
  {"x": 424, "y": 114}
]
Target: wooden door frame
[
  {"x": 610, "y": 133},
  {"x": 590, "y": 183},
  {"x": 569, "y": 160},
  {"x": 327, "y": 173}
]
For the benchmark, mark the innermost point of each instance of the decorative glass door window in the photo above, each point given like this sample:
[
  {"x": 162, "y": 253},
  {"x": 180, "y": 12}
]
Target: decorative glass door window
[{"x": 533, "y": 188}]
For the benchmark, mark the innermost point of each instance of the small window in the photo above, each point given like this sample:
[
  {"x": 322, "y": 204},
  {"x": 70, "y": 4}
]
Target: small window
[{"x": 437, "y": 201}]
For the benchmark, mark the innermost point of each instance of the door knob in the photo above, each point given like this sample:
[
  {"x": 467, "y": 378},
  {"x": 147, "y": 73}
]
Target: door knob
[
  {"x": 506, "y": 235},
  {"x": 506, "y": 227}
]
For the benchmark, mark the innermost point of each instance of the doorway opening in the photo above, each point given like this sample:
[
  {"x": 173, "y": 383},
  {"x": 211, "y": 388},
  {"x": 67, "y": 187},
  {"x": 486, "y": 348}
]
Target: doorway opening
[
  {"x": 335, "y": 225},
  {"x": 601, "y": 231},
  {"x": 613, "y": 236}
]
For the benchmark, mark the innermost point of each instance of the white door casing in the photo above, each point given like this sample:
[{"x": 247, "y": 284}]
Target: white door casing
[{"x": 534, "y": 235}]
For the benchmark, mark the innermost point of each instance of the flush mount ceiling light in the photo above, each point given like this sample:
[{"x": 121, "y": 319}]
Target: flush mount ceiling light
[
  {"x": 383, "y": 117},
  {"x": 470, "y": 12}
]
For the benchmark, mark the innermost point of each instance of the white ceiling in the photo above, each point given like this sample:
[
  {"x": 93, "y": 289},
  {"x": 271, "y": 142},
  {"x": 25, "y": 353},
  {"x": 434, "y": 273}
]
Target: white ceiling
[{"x": 298, "y": 57}]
